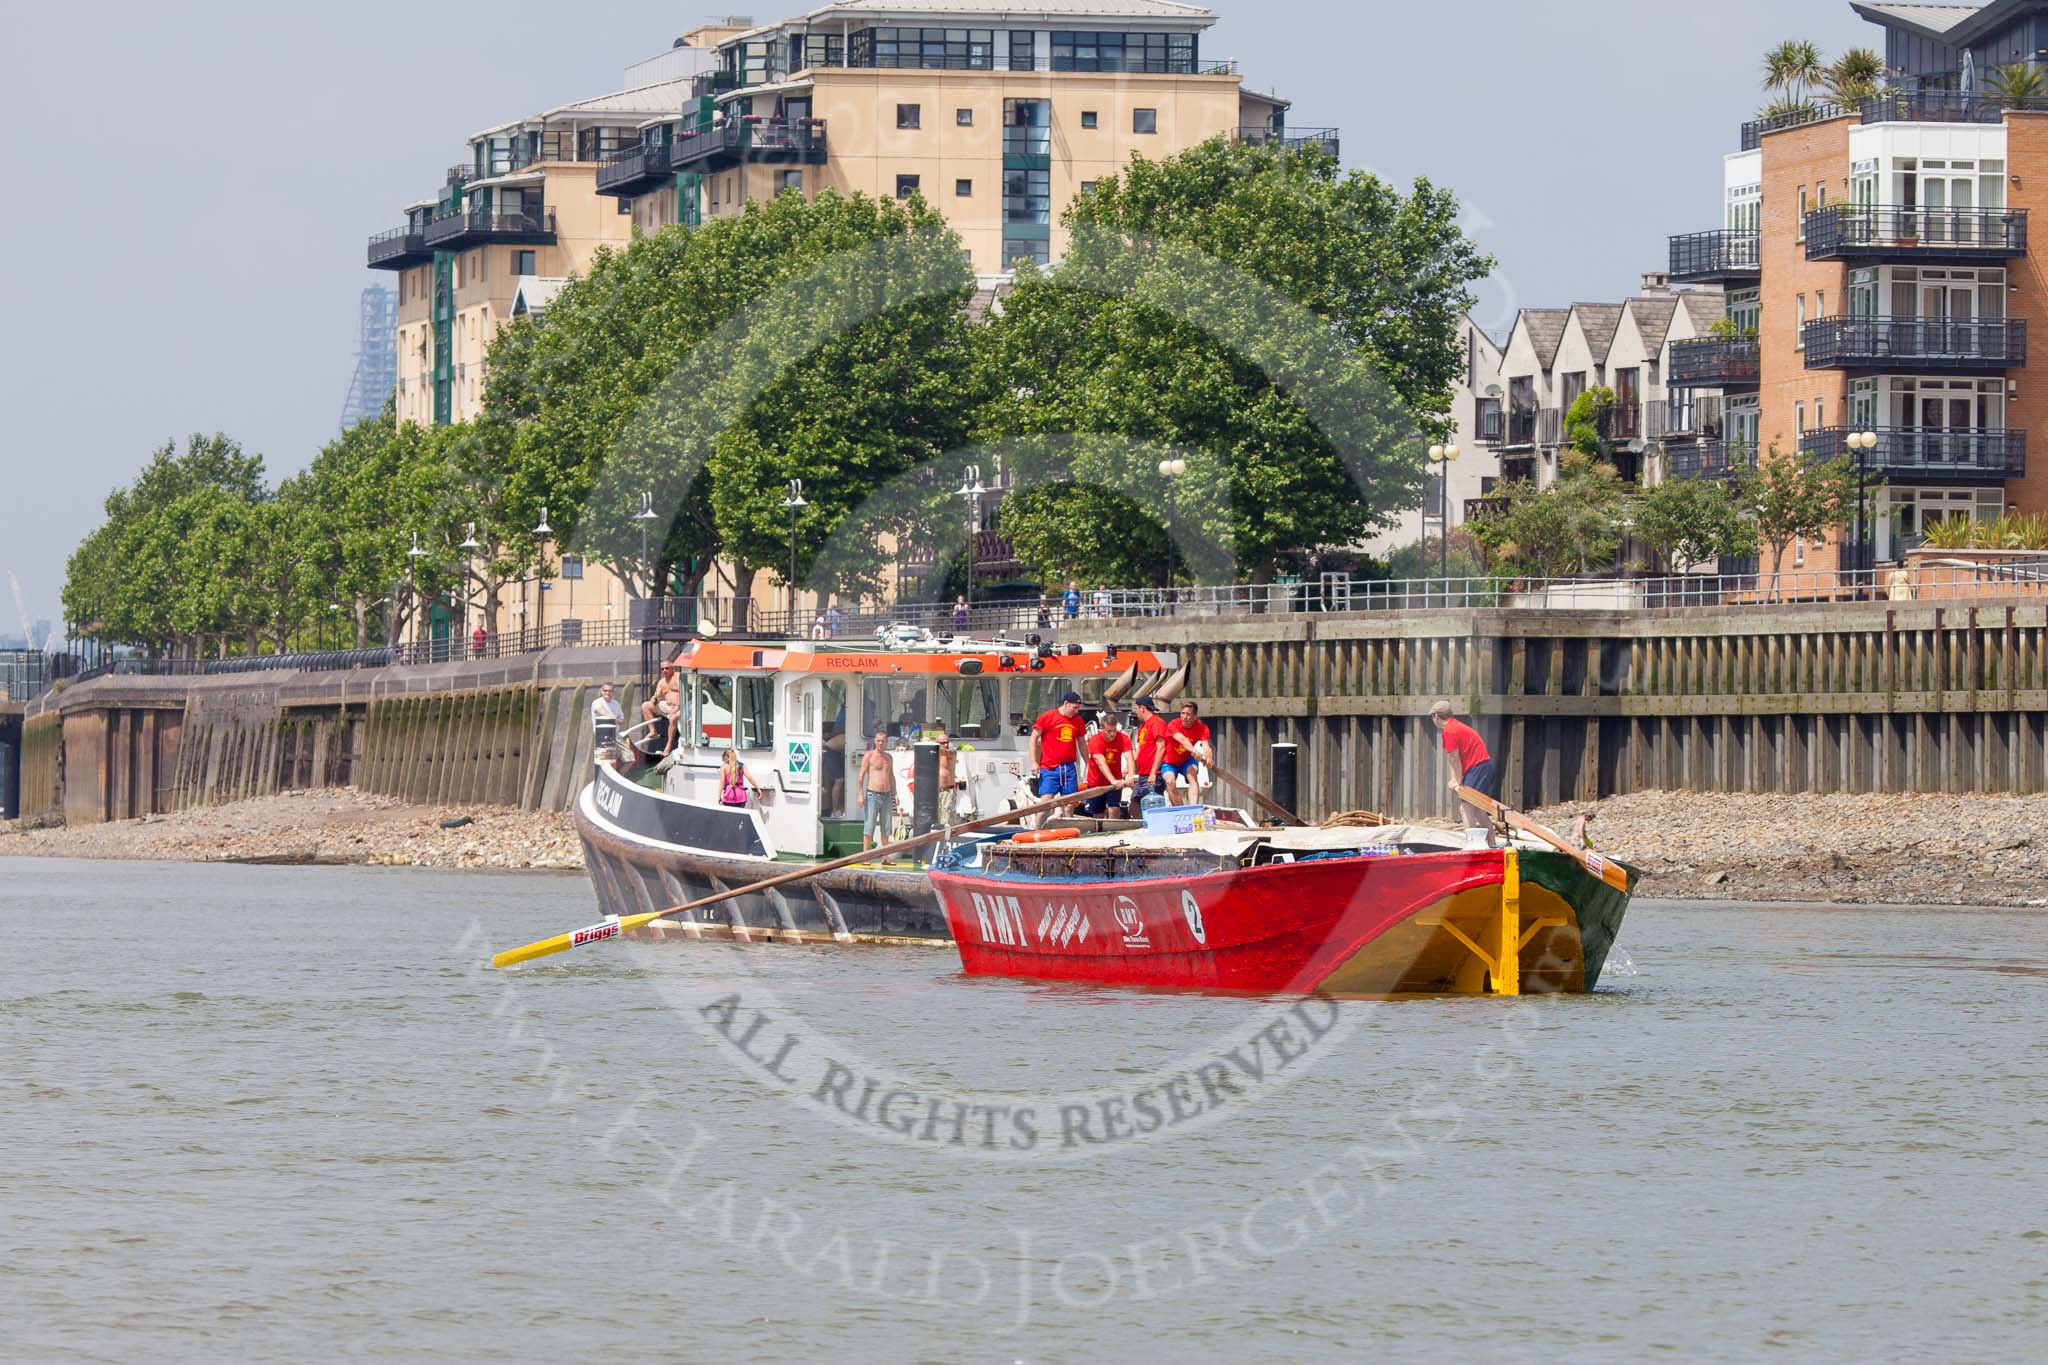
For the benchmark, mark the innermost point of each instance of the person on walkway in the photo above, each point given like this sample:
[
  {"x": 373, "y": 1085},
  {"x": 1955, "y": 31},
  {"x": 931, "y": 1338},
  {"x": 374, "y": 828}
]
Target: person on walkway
[
  {"x": 1187, "y": 744},
  {"x": 1149, "y": 750},
  {"x": 1110, "y": 763},
  {"x": 818, "y": 627},
  {"x": 960, "y": 616},
  {"x": 1056, "y": 749},
  {"x": 1471, "y": 766},
  {"x": 1044, "y": 613},
  {"x": 833, "y": 618},
  {"x": 1070, "y": 603},
  {"x": 477, "y": 641},
  {"x": 878, "y": 791},
  {"x": 734, "y": 781}
]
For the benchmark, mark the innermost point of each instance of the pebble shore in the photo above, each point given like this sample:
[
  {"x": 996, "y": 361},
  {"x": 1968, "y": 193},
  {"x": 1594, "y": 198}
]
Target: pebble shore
[
  {"x": 331, "y": 827},
  {"x": 1896, "y": 850}
]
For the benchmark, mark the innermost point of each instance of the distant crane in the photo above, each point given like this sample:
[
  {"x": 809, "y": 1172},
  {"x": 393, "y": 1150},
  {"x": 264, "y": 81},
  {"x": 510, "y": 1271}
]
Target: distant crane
[{"x": 21, "y": 608}]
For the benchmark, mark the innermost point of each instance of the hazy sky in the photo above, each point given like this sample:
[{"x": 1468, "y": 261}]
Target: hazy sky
[{"x": 195, "y": 183}]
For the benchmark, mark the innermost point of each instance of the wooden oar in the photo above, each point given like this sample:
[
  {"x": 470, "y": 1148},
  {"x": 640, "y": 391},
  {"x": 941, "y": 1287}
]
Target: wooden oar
[
  {"x": 614, "y": 928},
  {"x": 1234, "y": 780},
  {"x": 1613, "y": 874}
]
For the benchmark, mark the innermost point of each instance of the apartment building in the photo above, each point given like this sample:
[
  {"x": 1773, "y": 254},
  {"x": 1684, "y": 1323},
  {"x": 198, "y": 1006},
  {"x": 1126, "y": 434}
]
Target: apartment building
[
  {"x": 522, "y": 204},
  {"x": 999, "y": 114},
  {"x": 1878, "y": 279}
]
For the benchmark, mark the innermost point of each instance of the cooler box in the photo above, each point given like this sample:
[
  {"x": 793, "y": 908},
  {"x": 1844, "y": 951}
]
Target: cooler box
[{"x": 1178, "y": 820}]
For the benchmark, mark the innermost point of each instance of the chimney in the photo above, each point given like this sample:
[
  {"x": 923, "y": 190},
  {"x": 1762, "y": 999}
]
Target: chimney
[{"x": 1656, "y": 282}]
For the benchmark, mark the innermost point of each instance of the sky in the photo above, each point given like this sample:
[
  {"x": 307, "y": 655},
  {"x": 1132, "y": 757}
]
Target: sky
[{"x": 194, "y": 184}]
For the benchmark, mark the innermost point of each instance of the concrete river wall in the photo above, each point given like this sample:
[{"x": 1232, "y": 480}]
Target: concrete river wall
[{"x": 1575, "y": 705}]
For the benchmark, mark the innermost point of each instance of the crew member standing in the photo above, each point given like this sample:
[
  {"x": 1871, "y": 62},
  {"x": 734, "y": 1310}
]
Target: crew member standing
[
  {"x": 1187, "y": 743},
  {"x": 1471, "y": 766},
  {"x": 1109, "y": 764},
  {"x": 1150, "y": 750},
  {"x": 1056, "y": 748}
]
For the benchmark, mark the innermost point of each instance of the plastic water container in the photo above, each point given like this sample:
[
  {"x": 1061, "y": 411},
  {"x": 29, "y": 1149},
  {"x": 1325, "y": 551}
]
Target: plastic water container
[
  {"x": 1150, "y": 801},
  {"x": 1178, "y": 820}
]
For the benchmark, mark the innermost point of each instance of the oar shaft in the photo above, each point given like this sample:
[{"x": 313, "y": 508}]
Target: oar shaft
[
  {"x": 1234, "y": 780},
  {"x": 562, "y": 943},
  {"x": 1612, "y": 873}
]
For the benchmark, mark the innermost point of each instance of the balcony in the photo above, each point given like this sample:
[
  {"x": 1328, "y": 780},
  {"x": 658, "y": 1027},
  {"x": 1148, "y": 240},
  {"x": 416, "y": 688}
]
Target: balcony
[
  {"x": 1625, "y": 422},
  {"x": 748, "y": 139},
  {"x": 1933, "y": 106},
  {"x": 633, "y": 170},
  {"x": 481, "y": 227},
  {"x": 1714, "y": 363},
  {"x": 1849, "y": 232},
  {"x": 1528, "y": 427},
  {"x": 1726, "y": 258},
  {"x": 1924, "y": 456},
  {"x": 1928, "y": 345},
  {"x": 1489, "y": 423},
  {"x": 1708, "y": 459},
  {"x": 1817, "y": 112},
  {"x": 399, "y": 248},
  {"x": 1493, "y": 505},
  {"x": 1290, "y": 138},
  {"x": 1690, "y": 417}
]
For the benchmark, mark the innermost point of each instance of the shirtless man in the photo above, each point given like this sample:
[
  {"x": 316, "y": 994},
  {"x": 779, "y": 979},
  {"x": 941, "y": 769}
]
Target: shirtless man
[
  {"x": 877, "y": 791},
  {"x": 665, "y": 704}
]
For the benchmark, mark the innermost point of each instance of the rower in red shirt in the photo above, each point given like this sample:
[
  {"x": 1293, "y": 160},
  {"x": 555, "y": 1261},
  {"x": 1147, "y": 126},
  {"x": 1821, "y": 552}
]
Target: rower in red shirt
[
  {"x": 1109, "y": 764},
  {"x": 1150, "y": 749},
  {"x": 1187, "y": 743},
  {"x": 1471, "y": 765},
  {"x": 1056, "y": 749}
]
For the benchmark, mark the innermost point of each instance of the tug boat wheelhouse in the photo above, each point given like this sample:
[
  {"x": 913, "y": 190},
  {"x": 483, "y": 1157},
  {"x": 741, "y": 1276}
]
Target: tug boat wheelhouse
[{"x": 799, "y": 714}]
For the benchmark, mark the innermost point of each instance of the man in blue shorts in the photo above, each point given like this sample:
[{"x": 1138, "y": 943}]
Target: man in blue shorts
[{"x": 1056, "y": 748}]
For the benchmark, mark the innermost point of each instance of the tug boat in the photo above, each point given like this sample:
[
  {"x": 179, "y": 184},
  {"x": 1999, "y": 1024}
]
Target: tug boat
[
  {"x": 798, "y": 713},
  {"x": 1376, "y": 911}
]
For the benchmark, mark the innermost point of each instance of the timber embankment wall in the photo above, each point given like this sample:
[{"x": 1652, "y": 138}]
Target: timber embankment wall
[{"x": 1575, "y": 706}]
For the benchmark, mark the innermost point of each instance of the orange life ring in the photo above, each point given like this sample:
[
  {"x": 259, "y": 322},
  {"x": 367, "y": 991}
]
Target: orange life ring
[{"x": 1044, "y": 836}]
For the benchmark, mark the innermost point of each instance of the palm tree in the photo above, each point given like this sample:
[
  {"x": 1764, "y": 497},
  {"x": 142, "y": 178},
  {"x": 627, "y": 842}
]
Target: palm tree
[
  {"x": 1856, "y": 75},
  {"x": 2021, "y": 85},
  {"x": 1792, "y": 66}
]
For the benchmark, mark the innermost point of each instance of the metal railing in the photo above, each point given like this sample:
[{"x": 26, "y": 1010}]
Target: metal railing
[
  {"x": 1625, "y": 422},
  {"x": 466, "y": 223},
  {"x": 1972, "y": 345},
  {"x": 1535, "y": 426},
  {"x": 1710, "y": 459},
  {"x": 1714, "y": 362},
  {"x": 1291, "y": 138},
  {"x": 397, "y": 245},
  {"x": 1722, "y": 255},
  {"x": 1869, "y": 230},
  {"x": 629, "y": 165},
  {"x": 1817, "y": 111},
  {"x": 571, "y": 633},
  {"x": 1936, "y": 106},
  {"x": 748, "y": 133},
  {"x": 1992, "y": 453}
]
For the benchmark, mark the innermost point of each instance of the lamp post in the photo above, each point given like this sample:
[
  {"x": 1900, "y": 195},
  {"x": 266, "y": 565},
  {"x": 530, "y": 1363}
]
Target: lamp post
[
  {"x": 1442, "y": 456},
  {"x": 1171, "y": 470},
  {"x": 334, "y": 615},
  {"x": 1862, "y": 442},
  {"x": 795, "y": 503},
  {"x": 540, "y": 605},
  {"x": 470, "y": 547},
  {"x": 412, "y": 589},
  {"x": 971, "y": 490},
  {"x": 645, "y": 516}
]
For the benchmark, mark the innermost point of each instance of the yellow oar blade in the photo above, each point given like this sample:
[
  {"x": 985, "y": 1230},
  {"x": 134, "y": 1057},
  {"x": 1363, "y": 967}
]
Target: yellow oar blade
[{"x": 562, "y": 943}]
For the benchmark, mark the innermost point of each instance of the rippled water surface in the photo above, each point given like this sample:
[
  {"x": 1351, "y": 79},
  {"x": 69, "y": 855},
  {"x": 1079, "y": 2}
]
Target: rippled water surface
[{"x": 262, "y": 1113}]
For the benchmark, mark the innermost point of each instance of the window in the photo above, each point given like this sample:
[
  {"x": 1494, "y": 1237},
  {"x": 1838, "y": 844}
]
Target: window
[
  {"x": 753, "y": 717},
  {"x": 824, "y": 49},
  {"x": 522, "y": 263},
  {"x": 1802, "y": 213},
  {"x": 964, "y": 117},
  {"x": 1820, "y": 303},
  {"x": 572, "y": 566},
  {"x": 963, "y": 189},
  {"x": 906, "y": 185},
  {"x": 909, "y": 116},
  {"x": 1027, "y": 128},
  {"x": 1820, "y": 414},
  {"x": 1799, "y": 342},
  {"x": 1087, "y": 186},
  {"x": 789, "y": 180},
  {"x": 1027, "y": 197},
  {"x": 1023, "y": 50},
  {"x": 1154, "y": 52},
  {"x": 1026, "y": 249},
  {"x": 1089, "y": 118},
  {"x": 1799, "y": 419},
  {"x": 1144, "y": 120},
  {"x": 932, "y": 49}
]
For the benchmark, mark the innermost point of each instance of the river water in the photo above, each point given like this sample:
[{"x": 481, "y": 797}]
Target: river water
[{"x": 258, "y": 1113}]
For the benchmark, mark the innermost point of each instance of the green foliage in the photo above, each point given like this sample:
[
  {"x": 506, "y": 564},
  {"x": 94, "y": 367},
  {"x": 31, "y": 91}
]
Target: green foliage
[
  {"x": 1727, "y": 329},
  {"x": 1283, "y": 328},
  {"x": 1086, "y": 533},
  {"x": 1587, "y": 421},
  {"x": 1788, "y": 499},
  {"x": 2012, "y": 531},
  {"x": 1573, "y": 526},
  {"x": 2022, "y": 85},
  {"x": 1951, "y": 533},
  {"x": 1791, "y": 68},
  {"x": 1855, "y": 76},
  {"x": 1425, "y": 558},
  {"x": 1686, "y": 522}
]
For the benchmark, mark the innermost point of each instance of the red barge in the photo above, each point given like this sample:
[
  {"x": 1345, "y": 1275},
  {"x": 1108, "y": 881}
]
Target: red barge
[{"x": 1387, "y": 910}]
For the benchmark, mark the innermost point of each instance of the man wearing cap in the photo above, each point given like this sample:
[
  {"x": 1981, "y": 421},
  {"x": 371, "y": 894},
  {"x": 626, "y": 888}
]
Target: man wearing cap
[
  {"x": 1150, "y": 749},
  {"x": 1056, "y": 748},
  {"x": 1471, "y": 766},
  {"x": 1109, "y": 764}
]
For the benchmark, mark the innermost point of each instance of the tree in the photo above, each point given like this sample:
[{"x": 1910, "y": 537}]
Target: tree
[
  {"x": 1855, "y": 76},
  {"x": 1283, "y": 328},
  {"x": 2021, "y": 85},
  {"x": 1086, "y": 533},
  {"x": 1425, "y": 558},
  {"x": 1569, "y": 527},
  {"x": 1587, "y": 421},
  {"x": 1790, "y": 68},
  {"x": 1788, "y": 499},
  {"x": 1686, "y": 522}
]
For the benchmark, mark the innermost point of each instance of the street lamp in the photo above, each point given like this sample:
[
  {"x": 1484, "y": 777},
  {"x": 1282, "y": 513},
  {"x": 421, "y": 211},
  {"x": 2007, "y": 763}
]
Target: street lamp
[
  {"x": 645, "y": 516},
  {"x": 334, "y": 615},
  {"x": 971, "y": 490},
  {"x": 413, "y": 558},
  {"x": 1171, "y": 470},
  {"x": 471, "y": 547},
  {"x": 795, "y": 503},
  {"x": 1442, "y": 457},
  {"x": 1862, "y": 442},
  {"x": 540, "y": 605}
]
